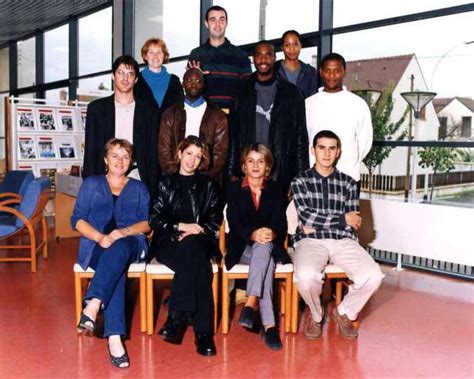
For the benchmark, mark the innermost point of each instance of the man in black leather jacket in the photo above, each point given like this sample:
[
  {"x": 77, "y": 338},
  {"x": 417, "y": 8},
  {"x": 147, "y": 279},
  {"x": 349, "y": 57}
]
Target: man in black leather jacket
[{"x": 270, "y": 111}]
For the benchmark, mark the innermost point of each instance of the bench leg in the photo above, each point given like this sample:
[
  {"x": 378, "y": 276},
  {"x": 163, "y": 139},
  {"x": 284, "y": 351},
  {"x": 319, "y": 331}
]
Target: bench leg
[
  {"x": 149, "y": 305},
  {"x": 143, "y": 314},
  {"x": 78, "y": 296},
  {"x": 225, "y": 304},
  {"x": 295, "y": 298},
  {"x": 288, "y": 292},
  {"x": 215, "y": 294}
]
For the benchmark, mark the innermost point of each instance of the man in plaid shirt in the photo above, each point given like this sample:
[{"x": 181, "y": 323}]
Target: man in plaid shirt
[{"x": 327, "y": 204}]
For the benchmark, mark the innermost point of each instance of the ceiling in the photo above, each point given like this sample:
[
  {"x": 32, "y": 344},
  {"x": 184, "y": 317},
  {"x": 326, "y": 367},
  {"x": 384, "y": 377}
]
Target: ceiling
[{"x": 22, "y": 18}]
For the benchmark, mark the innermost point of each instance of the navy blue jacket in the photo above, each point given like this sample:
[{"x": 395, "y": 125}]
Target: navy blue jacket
[
  {"x": 95, "y": 205},
  {"x": 307, "y": 78}
]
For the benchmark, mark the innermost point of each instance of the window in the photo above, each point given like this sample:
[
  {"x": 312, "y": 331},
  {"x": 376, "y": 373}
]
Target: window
[
  {"x": 249, "y": 23},
  {"x": 102, "y": 82},
  {"x": 56, "y": 95},
  {"x": 175, "y": 21},
  {"x": 95, "y": 42},
  {"x": 348, "y": 12},
  {"x": 466, "y": 127},
  {"x": 56, "y": 54},
  {"x": 26, "y": 63},
  {"x": 434, "y": 61},
  {"x": 4, "y": 70}
]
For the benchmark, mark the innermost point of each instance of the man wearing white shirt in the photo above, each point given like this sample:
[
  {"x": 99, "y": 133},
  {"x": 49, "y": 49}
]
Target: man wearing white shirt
[
  {"x": 334, "y": 108},
  {"x": 122, "y": 116}
]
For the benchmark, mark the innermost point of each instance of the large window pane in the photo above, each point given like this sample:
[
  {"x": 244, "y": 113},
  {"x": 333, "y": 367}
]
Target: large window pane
[
  {"x": 95, "y": 42},
  {"x": 176, "y": 21},
  {"x": 4, "y": 70},
  {"x": 275, "y": 17},
  {"x": 348, "y": 12},
  {"x": 56, "y": 54},
  {"x": 421, "y": 56},
  {"x": 26, "y": 63},
  {"x": 56, "y": 95},
  {"x": 102, "y": 82}
]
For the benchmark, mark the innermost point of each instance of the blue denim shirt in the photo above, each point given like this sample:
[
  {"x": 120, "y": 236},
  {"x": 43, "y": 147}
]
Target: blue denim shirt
[{"x": 95, "y": 205}]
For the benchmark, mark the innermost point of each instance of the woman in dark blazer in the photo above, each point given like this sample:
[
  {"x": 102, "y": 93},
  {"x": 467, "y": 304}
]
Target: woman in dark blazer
[
  {"x": 111, "y": 214},
  {"x": 185, "y": 219},
  {"x": 291, "y": 69},
  {"x": 154, "y": 83},
  {"x": 258, "y": 227}
]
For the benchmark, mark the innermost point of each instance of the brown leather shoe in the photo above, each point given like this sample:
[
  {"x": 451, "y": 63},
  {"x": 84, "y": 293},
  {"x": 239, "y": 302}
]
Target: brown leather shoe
[
  {"x": 313, "y": 329},
  {"x": 346, "y": 329}
]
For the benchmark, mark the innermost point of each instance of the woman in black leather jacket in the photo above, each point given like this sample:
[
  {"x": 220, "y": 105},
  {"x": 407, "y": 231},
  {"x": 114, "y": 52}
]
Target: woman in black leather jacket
[{"x": 185, "y": 219}]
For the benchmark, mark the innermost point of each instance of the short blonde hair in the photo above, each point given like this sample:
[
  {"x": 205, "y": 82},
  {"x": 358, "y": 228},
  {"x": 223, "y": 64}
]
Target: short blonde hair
[
  {"x": 261, "y": 149},
  {"x": 122, "y": 143},
  {"x": 160, "y": 43}
]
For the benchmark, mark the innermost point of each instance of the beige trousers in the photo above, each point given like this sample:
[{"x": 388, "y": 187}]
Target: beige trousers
[{"x": 312, "y": 256}]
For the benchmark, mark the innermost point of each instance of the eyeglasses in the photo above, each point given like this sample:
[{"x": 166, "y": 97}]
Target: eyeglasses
[{"x": 125, "y": 74}]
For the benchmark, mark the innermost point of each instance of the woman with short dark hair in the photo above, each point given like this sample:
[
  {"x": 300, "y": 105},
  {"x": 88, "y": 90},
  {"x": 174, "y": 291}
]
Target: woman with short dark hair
[{"x": 291, "y": 69}]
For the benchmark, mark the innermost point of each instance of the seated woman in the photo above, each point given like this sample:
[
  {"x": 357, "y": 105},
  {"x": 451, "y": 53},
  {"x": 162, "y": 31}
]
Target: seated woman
[
  {"x": 291, "y": 69},
  {"x": 111, "y": 214},
  {"x": 257, "y": 222},
  {"x": 185, "y": 219}
]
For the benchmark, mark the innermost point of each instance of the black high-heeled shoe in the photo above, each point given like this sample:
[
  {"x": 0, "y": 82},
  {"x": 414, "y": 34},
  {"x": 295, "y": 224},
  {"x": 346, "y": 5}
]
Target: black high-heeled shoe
[
  {"x": 118, "y": 361},
  {"x": 86, "y": 325}
]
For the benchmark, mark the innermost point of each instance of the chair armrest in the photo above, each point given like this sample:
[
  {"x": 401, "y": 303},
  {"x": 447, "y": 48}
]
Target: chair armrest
[
  {"x": 16, "y": 213},
  {"x": 10, "y": 195},
  {"x": 10, "y": 202}
]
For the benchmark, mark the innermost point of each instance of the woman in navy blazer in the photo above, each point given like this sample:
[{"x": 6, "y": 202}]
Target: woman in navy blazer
[
  {"x": 257, "y": 223},
  {"x": 111, "y": 214}
]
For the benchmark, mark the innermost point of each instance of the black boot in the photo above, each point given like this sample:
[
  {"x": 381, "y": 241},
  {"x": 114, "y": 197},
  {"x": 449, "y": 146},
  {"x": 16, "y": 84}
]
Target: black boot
[
  {"x": 205, "y": 344},
  {"x": 173, "y": 330}
]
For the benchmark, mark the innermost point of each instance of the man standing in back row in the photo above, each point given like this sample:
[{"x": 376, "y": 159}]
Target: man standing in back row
[
  {"x": 334, "y": 108},
  {"x": 225, "y": 65},
  {"x": 270, "y": 111}
]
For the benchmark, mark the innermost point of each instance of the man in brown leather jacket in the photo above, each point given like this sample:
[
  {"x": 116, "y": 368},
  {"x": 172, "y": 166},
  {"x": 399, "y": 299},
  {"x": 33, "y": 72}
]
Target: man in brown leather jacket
[{"x": 196, "y": 117}]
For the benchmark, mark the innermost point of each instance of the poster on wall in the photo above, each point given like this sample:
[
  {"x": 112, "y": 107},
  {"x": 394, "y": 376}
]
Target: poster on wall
[
  {"x": 80, "y": 146},
  {"x": 66, "y": 147},
  {"x": 46, "y": 148},
  {"x": 25, "y": 119},
  {"x": 47, "y": 120},
  {"x": 83, "y": 120},
  {"x": 26, "y": 147},
  {"x": 66, "y": 120}
]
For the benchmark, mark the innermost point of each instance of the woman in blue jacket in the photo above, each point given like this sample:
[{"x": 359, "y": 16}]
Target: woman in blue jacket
[
  {"x": 291, "y": 69},
  {"x": 111, "y": 214}
]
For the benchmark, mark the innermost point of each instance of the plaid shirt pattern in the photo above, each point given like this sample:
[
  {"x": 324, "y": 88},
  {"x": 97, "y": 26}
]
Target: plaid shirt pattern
[{"x": 322, "y": 202}]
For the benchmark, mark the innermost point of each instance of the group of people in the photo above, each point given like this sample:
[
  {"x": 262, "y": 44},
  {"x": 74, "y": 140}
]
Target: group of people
[{"x": 231, "y": 137}]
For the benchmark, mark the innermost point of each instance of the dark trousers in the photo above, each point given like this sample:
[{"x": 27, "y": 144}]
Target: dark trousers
[
  {"x": 191, "y": 291},
  {"x": 108, "y": 283}
]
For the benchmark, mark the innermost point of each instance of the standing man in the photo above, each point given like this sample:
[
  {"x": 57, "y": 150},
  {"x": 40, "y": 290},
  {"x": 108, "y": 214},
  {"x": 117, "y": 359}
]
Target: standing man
[
  {"x": 224, "y": 64},
  {"x": 327, "y": 204},
  {"x": 270, "y": 111},
  {"x": 334, "y": 108},
  {"x": 122, "y": 116},
  {"x": 194, "y": 116}
]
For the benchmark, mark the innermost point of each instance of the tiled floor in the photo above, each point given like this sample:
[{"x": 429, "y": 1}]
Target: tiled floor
[{"x": 417, "y": 325}]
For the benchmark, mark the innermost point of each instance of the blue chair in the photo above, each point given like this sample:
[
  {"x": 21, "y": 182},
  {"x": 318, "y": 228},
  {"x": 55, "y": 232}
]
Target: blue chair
[
  {"x": 14, "y": 184},
  {"x": 26, "y": 217}
]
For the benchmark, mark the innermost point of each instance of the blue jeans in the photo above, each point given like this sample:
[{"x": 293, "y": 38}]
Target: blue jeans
[{"x": 108, "y": 283}]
